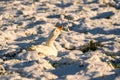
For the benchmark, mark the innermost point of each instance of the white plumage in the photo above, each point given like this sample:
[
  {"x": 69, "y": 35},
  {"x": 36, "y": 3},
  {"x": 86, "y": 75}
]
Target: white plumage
[{"x": 48, "y": 48}]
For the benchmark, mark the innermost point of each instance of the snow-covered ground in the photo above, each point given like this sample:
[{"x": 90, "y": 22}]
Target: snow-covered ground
[{"x": 24, "y": 23}]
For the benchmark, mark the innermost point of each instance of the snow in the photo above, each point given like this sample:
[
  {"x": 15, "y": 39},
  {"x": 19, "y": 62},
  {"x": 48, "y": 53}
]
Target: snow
[{"x": 24, "y": 23}]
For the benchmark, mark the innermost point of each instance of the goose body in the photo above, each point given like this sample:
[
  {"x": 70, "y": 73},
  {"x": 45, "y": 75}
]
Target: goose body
[
  {"x": 44, "y": 50},
  {"x": 48, "y": 48}
]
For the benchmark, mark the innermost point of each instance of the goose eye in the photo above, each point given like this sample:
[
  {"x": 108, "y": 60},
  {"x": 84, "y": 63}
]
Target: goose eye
[{"x": 56, "y": 30}]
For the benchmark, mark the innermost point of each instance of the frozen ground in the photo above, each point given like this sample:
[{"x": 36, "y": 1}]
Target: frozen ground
[{"x": 24, "y": 23}]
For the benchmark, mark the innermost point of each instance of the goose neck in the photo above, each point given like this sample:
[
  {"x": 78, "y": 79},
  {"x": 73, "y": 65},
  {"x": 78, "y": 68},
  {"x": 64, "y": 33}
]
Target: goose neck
[{"x": 50, "y": 43}]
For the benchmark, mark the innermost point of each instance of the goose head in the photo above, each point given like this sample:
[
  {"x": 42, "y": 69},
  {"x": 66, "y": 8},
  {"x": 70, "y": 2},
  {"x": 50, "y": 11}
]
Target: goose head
[{"x": 55, "y": 32}]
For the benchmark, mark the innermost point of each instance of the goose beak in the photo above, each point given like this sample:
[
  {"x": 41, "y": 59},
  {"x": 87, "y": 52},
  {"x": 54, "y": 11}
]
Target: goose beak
[{"x": 60, "y": 28}]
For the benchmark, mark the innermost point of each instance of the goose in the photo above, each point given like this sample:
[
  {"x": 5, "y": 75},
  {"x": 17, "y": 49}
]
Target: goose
[{"x": 48, "y": 48}]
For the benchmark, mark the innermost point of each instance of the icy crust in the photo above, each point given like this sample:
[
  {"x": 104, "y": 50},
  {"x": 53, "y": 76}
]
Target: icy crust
[{"x": 88, "y": 46}]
